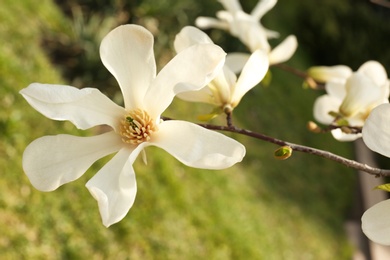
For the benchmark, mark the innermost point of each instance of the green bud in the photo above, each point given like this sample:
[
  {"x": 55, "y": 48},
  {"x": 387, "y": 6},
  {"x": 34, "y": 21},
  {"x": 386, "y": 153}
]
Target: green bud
[{"x": 282, "y": 153}]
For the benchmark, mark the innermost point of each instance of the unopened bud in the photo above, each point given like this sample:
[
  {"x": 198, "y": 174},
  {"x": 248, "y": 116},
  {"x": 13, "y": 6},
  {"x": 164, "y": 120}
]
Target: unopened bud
[
  {"x": 282, "y": 153},
  {"x": 311, "y": 83},
  {"x": 313, "y": 127}
]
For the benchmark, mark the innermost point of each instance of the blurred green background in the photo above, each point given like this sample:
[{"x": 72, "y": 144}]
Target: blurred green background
[{"x": 259, "y": 209}]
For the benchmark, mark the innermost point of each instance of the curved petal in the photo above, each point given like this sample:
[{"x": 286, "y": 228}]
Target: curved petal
[
  {"x": 251, "y": 75},
  {"x": 376, "y": 223},
  {"x": 85, "y": 108},
  {"x": 362, "y": 95},
  {"x": 375, "y": 71},
  {"x": 114, "y": 186},
  {"x": 203, "y": 95},
  {"x": 127, "y": 52},
  {"x": 252, "y": 34},
  {"x": 236, "y": 61},
  {"x": 336, "y": 89},
  {"x": 271, "y": 34},
  {"x": 339, "y": 135},
  {"x": 189, "y": 36},
  {"x": 322, "y": 106},
  {"x": 337, "y": 74},
  {"x": 52, "y": 161},
  {"x": 196, "y": 146},
  {"x": 376, "y": 130},
  {"x": 284, "y": 50},
  {"x": 195, "y": 66},
  {"x": 262, "y": 7},
  {"x": 208, "y": 22},
  {"x": 226, "y": 17},
  {"x": 222, "y": 86}
]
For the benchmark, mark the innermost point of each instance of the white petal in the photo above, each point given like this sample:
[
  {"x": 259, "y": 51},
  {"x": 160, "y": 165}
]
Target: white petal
[
  {"x": 376, "y": 130},
  {"x": 375, "y": 71},
  {"x": 236, "y": 61},
  {"x": 231, "y": 6},
  {"x": 251, "y": 75},
  {"x": 322, "y": 106},
  {"x": 127, "y": 52},
  {"x": 337, "y": 74},
  {"x": 203, "y": 95},
  {"x": 284, "y": 50},
  {"x": 114, "y": 186},
  {"x": 85, "y": 108},
  {"x": 376, "y": 223},
  {"x": 252, "y": 34},
  {"x": 196, "y": 146},
  {"x": 208, "y": 22},
  {"x": 362, "y": 95},
  {"x": 336, "y": 90},
  {"x": 271, "y": 34},
  {"x": 343, "y": 137},
  {"x": 189, "y": 36},
  {"x": 262, "y": 7},
  {"x": 52, "y": 161},
  {"x": 195, "y": 66},
  {"x": 222, "y": 86}
]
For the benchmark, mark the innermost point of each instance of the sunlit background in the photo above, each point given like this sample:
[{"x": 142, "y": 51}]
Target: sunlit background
[{"x": 259, "y": 209}]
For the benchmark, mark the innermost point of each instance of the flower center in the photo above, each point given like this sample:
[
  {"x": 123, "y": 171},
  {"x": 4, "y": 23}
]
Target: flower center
[{"x": 137, "y": 127}]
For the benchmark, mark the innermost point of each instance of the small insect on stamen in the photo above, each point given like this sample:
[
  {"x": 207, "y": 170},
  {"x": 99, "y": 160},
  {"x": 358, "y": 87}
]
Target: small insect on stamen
[
  {"x": 131, "y": 122},
  {"x": 137, "y": 127}
]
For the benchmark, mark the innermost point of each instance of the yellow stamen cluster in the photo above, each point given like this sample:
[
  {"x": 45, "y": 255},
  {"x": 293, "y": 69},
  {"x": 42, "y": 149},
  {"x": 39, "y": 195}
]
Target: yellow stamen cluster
[{"x": 137, "y": 127}]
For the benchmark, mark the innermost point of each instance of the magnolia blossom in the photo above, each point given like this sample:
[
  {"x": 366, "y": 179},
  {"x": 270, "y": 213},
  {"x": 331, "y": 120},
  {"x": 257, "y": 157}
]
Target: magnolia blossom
[
  {"x": 376, "y": 130},
  {"x": 127, "y": 52},
  {"x": 225, "y": 90},
  {"x": 350, "y": 95},
  {"x": 249, "y": 30},
  {"x": 376, "y": 223},
  {"x": 376, "y": 135}
]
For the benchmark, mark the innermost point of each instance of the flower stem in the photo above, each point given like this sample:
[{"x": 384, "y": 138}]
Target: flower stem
[{"x": 377, "y": 172}]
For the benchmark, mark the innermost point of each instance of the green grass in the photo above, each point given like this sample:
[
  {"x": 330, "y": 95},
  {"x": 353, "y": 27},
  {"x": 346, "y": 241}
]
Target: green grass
[{"x": 259, "y": 209}]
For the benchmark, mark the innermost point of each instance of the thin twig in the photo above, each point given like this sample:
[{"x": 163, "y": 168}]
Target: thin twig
[
  {"x": 377, "y": 172},
  {"x": 229, "y": 119},
  {"x": 309, "y": 80},
  {"x": 294, "y": 71},
  {"x": 383, "y": 3}
]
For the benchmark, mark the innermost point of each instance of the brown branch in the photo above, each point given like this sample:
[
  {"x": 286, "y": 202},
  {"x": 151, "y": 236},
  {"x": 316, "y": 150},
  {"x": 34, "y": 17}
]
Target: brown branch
[
  {"x": 377, "y": 172},
  {"x": 309, "y": 80},
  {"x": 292, "y": 70},
  {"x": 305, "y": 149},
  {"x": 383, "y": 3}
]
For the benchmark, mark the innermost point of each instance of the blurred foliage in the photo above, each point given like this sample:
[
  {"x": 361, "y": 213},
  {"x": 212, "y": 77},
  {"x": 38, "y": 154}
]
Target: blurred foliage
[
  {"x": 259, "y": 209},
  {"x": 330, "y": 34},
  {"x": 348, "y": 32}
]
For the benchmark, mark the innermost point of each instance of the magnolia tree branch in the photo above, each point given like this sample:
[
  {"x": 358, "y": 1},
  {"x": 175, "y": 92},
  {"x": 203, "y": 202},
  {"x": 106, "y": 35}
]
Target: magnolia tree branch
[
  {"x": 312, "y": 83},
  {"x": 377, "y": 172},
  {"x": 383, "y": 3}
]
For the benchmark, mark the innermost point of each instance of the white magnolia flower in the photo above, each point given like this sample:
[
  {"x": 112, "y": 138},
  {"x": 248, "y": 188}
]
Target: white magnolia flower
[
  {"x": 376, "y": 135},
  {"x": 376, "y": 223},
  {"x": 376, "y": 130},
  {"x": 225, "y": 90},
  {"x": 233, "y": 13},
  {"x": 248, "y": 29},
  {"x": 127, "y": 52},
  {"x": 350, "y": 95}
]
